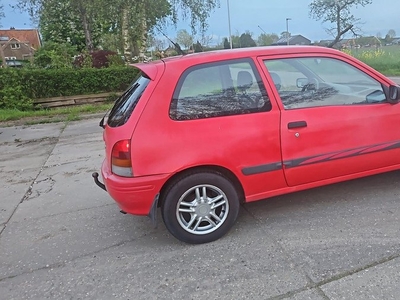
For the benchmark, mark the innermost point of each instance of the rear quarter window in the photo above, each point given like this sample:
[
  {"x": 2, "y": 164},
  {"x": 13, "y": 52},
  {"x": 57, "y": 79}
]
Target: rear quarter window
[
  {"x": 219, "y": 89},
  {"x": 126, "y": 103}
]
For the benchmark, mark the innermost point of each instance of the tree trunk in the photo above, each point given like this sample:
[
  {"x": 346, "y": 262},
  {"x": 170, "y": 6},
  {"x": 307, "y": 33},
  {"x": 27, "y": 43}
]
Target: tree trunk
[
  {"x": 142, "y": 42},
  {"x": 138, "y": 45},
  {"x": 339, "y": 35},
  {"x": 86, "y": 27},
  {"x": 2, "y": 57},
  {"x": 125, "y": 34}
]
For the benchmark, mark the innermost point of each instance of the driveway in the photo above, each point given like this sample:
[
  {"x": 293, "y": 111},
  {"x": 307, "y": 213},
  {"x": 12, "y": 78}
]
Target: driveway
[{"x": 63, "y": 238}]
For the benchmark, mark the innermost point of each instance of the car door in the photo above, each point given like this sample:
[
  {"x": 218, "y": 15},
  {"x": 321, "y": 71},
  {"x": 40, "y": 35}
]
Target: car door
[{"x": 335, "y": 120}]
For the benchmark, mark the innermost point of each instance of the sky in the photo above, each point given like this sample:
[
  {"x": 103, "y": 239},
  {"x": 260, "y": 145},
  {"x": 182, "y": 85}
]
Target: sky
[{"x": 258, "y": 16}]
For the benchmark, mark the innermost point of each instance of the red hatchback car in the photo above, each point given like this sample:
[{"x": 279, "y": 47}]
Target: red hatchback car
[{"x": 199, "y": 134}]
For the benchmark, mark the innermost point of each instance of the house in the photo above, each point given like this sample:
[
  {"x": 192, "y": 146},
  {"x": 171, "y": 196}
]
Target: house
[
  {"x": 18, "y": 45},
  {"x": 396, "y": 41},
  {"x": 293, "y": 40}
]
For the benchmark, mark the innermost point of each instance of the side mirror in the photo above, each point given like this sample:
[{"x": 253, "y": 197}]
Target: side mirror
[
  {"x": 377, "y": 96},
  {"x": 394, "y": 94},
  {"x": 301, "y": 82}
]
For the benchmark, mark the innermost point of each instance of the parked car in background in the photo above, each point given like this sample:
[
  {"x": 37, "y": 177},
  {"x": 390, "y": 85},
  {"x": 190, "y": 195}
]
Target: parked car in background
[{"x": 197, "y": 135}]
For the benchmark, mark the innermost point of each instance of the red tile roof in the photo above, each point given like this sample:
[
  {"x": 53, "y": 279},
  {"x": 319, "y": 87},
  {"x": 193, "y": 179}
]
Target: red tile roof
[{"x": 30, "y": 36}]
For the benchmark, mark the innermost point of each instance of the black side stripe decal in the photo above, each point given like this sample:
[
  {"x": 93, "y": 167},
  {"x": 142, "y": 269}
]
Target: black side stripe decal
[
  {"x": 262, "y": 168},
  {"x": 320, "y": 158},
  {"x": 341, "y": 154}
]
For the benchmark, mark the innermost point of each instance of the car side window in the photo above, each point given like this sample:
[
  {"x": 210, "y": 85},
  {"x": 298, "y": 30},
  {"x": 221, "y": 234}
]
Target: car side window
[
  {"x": 318, "y": 81},
  {"x": 219, "y": 89}
]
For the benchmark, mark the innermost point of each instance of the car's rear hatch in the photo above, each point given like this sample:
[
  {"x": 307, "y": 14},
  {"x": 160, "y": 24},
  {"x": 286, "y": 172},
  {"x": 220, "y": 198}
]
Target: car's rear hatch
[{"x": 119, "y": 124}]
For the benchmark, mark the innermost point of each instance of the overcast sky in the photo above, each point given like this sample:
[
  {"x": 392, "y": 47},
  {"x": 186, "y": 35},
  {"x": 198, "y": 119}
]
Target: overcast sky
[{"x": 270, "y": 15}]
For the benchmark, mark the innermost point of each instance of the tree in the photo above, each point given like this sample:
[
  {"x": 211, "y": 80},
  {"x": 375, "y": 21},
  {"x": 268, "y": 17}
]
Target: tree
[
  {"x": 337, "y": 12},
  {"x": 391, "y": 33},
  {"x": 205, "y": 40},
  {"x": 184, "y": 38},
  {"x": 129, "y": 21},
  {"x": 285, "y": 34},
  {"x": 198, "y": 47},
  {"x": 199, "y": 11},
  {"x": 85, "y": 10},
  {"x": 1, "y": 11},
  {"x": 155, "y": 43},
  {"x": 246, "y": 40},
  {"x": 390, "y": 36},
  {"x": 265, "y": 39},
  {"x": 54, "y": 55},
  {"x": 226, "y": 43},
  {"x": 157, "y": 11},
  {"x": 58, "y": 23},
  {"x": 236, "y": 40}
]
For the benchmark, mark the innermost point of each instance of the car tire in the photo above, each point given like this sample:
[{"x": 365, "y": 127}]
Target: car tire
[{"x": 200, "y": 207}]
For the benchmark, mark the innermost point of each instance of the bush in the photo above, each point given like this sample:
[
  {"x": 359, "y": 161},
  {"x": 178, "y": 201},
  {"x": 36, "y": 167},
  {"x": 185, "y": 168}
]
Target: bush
[
  {"x": 54, "y": 56},
  {"x": 115, "y": 60},
  {"x": 12, "y": 94},
  {"x": 96, "y": 59},
  {"x": 14, "y": 98},
  {"x": 20, "y": 86}
]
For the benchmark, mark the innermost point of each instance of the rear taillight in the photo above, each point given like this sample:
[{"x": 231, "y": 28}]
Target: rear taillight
[{"x": 121, "y": 163}]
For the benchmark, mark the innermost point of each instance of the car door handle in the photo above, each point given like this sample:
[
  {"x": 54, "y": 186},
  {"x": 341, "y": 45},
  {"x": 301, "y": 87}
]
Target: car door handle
[{"x": 297, "y": 124}]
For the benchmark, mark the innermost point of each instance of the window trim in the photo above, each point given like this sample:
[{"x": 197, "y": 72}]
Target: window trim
[{"x": 15, "y": 46}]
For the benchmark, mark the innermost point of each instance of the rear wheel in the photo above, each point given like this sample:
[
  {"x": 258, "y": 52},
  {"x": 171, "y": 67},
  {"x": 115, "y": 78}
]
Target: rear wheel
[{"x": 200, "y": 207}]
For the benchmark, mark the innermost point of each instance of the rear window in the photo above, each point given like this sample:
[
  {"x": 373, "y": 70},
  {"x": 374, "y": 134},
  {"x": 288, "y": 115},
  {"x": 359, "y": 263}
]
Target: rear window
[
  {"x": 127, "y": 102},
  {"x": 219, "y": 89}
]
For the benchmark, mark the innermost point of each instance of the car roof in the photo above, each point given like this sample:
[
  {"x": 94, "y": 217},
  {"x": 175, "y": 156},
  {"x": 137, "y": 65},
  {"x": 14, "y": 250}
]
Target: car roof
[
  {"x": 250, "y": 52},
  {"x": 151, "y": 68}
]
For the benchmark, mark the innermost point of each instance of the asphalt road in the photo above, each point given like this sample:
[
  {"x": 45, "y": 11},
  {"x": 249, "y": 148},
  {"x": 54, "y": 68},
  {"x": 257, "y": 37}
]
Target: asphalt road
[{"x": 63, "y": 238}]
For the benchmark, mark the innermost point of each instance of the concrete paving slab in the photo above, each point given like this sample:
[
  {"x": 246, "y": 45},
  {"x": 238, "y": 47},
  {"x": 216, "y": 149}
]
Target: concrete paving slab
[
  {"x": 11, "y": 197},
  {"x": 332, "y": 230},
  {"x": 33, "y": 132},
  {"x": 154, "y": 266},
  {"x": 18, "y": 157},
  {"x": 83, "y": 127},
  {"x": 21, "y": 160},
  {"x": 62, "y": 189},
  {"x": 311, "y": 294},
  {"x": 32, "y": 244},
  {"x": 65, "y": 183},
  {"x": 78, "y": 148},
  {"x": 379, "y": 282}
]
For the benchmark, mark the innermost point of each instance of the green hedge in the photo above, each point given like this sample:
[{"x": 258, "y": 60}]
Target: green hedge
[{"x": 19, "y": 87}]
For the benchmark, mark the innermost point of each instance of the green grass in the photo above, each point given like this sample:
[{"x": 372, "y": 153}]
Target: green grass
[
  {"x": 385, "y": 59},
  {"x": 52, "y": 115}
]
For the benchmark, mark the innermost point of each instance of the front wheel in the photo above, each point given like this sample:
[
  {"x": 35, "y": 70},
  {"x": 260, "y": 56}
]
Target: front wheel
[{"x": 200, "y": 208}]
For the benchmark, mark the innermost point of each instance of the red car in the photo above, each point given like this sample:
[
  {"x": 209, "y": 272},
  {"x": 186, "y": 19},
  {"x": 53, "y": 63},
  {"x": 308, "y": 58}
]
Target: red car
[{"x": 198, "y": 135}]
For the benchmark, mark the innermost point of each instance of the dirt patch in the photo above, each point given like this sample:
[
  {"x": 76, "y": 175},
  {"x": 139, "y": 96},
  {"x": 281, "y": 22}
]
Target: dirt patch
[
  {"x": 34, "y": 120},
  {"x": 26, "y": 121}
]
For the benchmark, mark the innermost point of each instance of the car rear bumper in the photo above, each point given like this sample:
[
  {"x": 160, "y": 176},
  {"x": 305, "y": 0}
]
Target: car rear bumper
[{"x": 133, "y": 195}]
